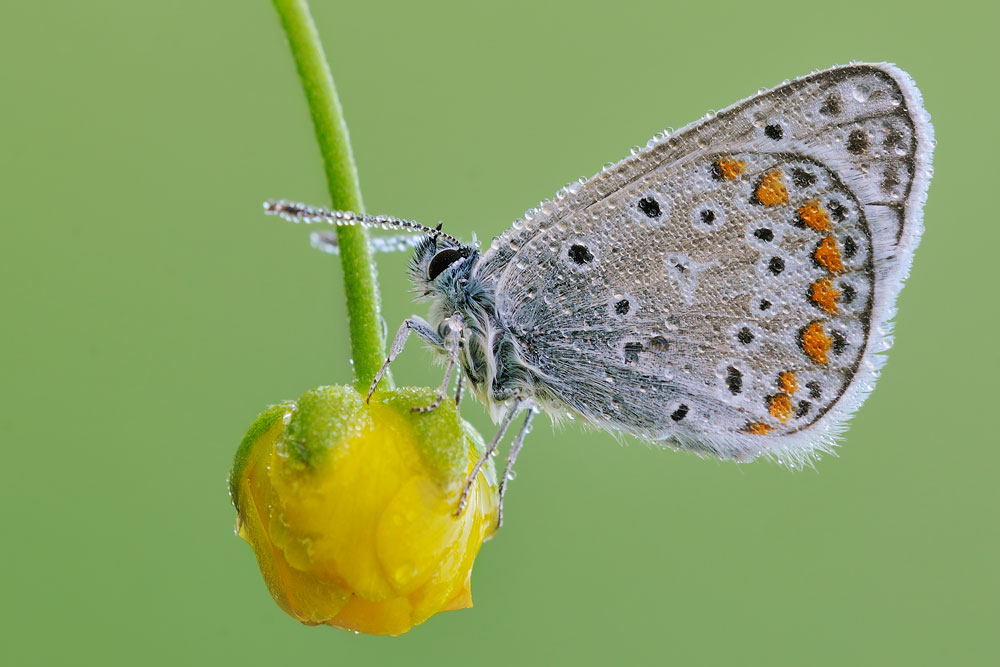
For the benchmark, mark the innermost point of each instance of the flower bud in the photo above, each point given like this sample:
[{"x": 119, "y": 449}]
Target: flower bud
[{"x": 350, "y": 507}]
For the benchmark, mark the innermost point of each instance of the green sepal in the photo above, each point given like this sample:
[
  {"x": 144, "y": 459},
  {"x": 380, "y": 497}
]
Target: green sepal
[
  {"x": 323, "y": 417},
  {"x": 440, "y": 433},
  {"x": 260, "y": 426}
]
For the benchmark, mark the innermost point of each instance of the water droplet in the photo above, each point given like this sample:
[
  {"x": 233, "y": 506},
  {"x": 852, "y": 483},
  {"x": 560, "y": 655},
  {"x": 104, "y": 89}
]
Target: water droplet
[{"x": 862, "y": 92}]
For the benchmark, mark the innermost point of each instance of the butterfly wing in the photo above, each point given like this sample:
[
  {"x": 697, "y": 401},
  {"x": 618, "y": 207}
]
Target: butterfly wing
[{"x": 728, "y": 289}]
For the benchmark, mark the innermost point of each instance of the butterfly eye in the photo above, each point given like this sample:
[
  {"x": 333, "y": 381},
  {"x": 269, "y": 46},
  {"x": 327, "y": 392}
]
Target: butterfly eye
[{"x": 442, "y": 260}]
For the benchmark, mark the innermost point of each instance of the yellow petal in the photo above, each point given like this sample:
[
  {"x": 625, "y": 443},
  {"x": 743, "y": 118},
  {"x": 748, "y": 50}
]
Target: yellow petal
[
  {"x": 389, "y": 617},
  {"x": 418, "y": 525}
]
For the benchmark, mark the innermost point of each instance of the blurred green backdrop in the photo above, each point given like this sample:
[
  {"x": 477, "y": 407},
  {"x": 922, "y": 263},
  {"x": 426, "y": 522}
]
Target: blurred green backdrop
[{"x": 150, "y": 312}]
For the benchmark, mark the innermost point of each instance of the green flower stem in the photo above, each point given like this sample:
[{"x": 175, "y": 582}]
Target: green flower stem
[{"x": 360, "y": 283}]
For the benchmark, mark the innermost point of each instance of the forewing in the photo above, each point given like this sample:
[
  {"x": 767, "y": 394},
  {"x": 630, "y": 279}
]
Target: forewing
[{"x": 727, "y": 288}]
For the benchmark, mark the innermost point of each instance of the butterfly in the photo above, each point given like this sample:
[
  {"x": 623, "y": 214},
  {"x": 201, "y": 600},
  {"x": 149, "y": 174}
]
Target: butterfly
[{"x": 728, "y": 289}]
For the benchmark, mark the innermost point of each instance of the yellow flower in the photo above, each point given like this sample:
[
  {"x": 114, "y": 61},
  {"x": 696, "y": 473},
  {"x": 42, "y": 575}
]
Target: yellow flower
[{"x": 350, "y": 507}]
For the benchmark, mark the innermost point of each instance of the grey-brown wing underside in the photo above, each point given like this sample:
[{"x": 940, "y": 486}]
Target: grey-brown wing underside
[{"x": 727, "y": 288}]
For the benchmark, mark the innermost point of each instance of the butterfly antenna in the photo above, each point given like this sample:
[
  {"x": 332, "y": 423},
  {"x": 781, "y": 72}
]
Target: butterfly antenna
[
  {"x": 326, "y": 241},
  {"x": 295, "y": 212}
]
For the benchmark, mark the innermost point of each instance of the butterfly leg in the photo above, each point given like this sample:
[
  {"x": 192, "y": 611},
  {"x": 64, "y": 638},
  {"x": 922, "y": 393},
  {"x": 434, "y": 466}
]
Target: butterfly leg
[
  {"x": 508, "y": 468},
  {"x": 487, "y": 453},
  {"x": 422, "y": 329},
  {"x": 458, "y": 389},
  {"x": 454, "y": 328}
]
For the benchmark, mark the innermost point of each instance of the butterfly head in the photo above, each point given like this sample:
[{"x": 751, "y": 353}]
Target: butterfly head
[{"x": 440, "y": 265}]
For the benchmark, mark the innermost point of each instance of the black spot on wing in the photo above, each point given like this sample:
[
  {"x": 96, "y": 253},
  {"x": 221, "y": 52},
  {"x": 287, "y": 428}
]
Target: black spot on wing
[
  {"x": 857, "y": 142},
  {"x": 839, "y": 341},
  {"x": 837, "y": 210},
  {"x": 850, "y": 247},
  {"x": 802, "y": 178},
  {"x": 831, "y": 105},
  {"x": 650, "y": 207},
  {"x": 734, "y": 380},
  {"x": 580, "y": 254},
  {"x": 893, "y": 138},
  {"x": 764, "y": 234}
]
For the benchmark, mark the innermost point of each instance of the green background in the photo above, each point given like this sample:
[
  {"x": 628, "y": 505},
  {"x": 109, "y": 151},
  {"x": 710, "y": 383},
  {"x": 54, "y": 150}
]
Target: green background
[{"x": 150, "y": 312}]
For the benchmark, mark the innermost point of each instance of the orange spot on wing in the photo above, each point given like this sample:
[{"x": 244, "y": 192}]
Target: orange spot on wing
[
  {"x": 815, "y": 342},
  {"x": 787, "y": 382},
  {"x": 780, "y": 406},
  {"x": 814, "y": 216},
  {"x": 825, "y": 295},
  {"x": 827, "y": 254},
  {"x": 730, "y": 168},
  {"x": 757, "y": 428},
  {"x": 771, "y": 191}
]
